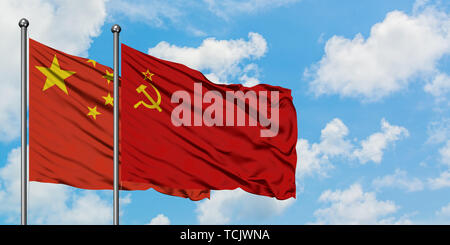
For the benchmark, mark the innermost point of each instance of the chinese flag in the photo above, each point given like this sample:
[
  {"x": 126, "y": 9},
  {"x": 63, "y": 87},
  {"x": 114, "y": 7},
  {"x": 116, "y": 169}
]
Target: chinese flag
[
  {"x": 71, "y": 123},
  {"x": 180, "y": 130}
]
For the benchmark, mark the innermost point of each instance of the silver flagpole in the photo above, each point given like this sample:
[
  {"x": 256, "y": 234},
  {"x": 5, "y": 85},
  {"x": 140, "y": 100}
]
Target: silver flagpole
[
  {"x": 116, "y": 30},
  {"x": 23, "y": 23}
]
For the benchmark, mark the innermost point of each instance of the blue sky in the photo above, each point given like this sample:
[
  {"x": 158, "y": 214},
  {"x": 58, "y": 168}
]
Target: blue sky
[{"x": 370, "y": 82}]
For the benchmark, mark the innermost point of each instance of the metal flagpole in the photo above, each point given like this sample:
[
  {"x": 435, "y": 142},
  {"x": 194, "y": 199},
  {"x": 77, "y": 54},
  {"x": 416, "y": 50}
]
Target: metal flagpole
[
  {"x": 116, "y": 30},
  {"x": 23, "y": 23}
]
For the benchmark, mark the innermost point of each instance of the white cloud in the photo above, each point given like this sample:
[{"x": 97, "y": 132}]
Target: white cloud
[
  {"x": 250, "y": 74},
  {"x": 311, "y": 160},
  {"x": 385, "y": 62},
  {"x": 419, "y": 5},
  {"x": 9, "y": 108},
  {"x": 220, "y": 60},
  {"x": 230, "y": 206},
  {"x": 439, "y": 131},
  {"x": 227, "y": 8},
  {"x": 439, "y": 86},
  {"x": 354, "y": 206},
  {"x": 372, "y": 148},
  {"x": 178, "y": 13},
  {"x": 160, "y": 219},
  {"x": 65, "y": 25},
  {"x": 332, "y": 138},
  {"x": 151, "y": 12},
  {"x": 316, "y": 158},
  {"x": 445, "y": 153},
  {"x": 87, "y": 208},
  {"x": 443, "y": 180},
  {"x": 249, "y": 81},
  {"x": 444, "y": 211},
  {"x": 51, "y": 203},
  {"x": 440, "y": 182},
  {"x": 399, "y": 180}
]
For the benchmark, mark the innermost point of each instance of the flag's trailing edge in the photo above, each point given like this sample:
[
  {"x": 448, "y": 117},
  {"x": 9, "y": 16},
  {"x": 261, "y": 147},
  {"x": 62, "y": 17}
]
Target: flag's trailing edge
[
  {"x": 182, "y": 131},
  {"x": 71, "y": 124}
]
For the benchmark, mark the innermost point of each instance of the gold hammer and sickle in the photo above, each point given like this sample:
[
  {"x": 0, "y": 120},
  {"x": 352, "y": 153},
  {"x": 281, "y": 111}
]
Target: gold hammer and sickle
[{"x": 153, "y": 104}]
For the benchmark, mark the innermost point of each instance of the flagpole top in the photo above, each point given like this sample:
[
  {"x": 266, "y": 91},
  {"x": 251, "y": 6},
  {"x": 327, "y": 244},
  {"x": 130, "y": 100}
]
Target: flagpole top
[
  {"x": 115, "y": 28},
  {"x": 24, "y": 23}
]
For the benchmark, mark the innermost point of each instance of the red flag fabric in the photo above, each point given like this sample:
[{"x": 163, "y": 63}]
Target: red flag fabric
[
  {"x": 183, "y": 131},
  {"x": 71, "y": 123}
]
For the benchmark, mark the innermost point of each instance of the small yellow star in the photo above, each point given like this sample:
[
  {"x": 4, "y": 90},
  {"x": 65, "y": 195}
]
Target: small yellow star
[
  {"x": 55, "y": 76},
  {"x": 92, "y": 61},
  {"x": 108, "y": 99},
  {"x": 93, "y": 112},
  {"x": 148, "y": 74},
  {"x": 109, "y": 76}
]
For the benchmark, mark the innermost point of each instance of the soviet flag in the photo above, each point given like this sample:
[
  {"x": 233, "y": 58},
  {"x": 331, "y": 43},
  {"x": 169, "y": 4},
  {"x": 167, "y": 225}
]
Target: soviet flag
[
  {"x": 180, "y": 130},
  {"x": 71, "y": 124}
]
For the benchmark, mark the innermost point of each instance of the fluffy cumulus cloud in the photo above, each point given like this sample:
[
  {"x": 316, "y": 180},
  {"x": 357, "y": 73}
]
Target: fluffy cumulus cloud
[
  {"x": 311, "y": 160},
  {"x": 160, "y": 219},
  {"x": 228, "y": 8},
  {"x": 333, "y": 142},
  {"x": 445, "y": 153},
  {"x": 439, "y": 86},
  {"x": 444, "y": 211},
  {"x": 372, "y": 148},
  {"x": 51, "y": 203},
  {"x": 354, "y": 206},
  {"x": 231, "y": 206},
  {"x": 400, "y": 180},
  {"x": 316, "y": 158},
  {"x": 220, "y": 60},
  {"x": 442, "y": 181},
  {"x": 65, "y": 25},
  {"x": 388, "y": 59}
]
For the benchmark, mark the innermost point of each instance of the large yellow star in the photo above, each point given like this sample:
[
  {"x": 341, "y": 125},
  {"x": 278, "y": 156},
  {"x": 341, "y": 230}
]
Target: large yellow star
[
  {"x": 55, "y": 76},
  {"x": 148, "y": 74},
  {"x": 93, "y": 112},
  {"x": 108, "y": 99},
  {"x": 109, "y": 76}
]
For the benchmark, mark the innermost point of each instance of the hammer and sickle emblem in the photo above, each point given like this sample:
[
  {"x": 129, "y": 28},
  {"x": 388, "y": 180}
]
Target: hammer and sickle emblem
[{"x": 153, "y": 104}]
